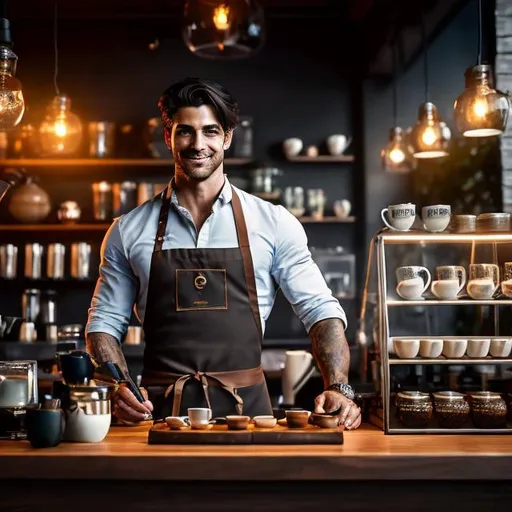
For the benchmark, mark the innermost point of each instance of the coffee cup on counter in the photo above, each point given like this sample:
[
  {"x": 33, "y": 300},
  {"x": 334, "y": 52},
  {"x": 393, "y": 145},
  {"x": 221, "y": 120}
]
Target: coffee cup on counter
[
  {"x": 401, "y": 217},
  {"x": 437, "y": 217},
  {"x": 412, "y": 282},
  {"x": 484, "y": 279},
  {"x": 45, "y": 427},
  {"x": 199, "y": 417},
  {"x": 451, "y": 279}
]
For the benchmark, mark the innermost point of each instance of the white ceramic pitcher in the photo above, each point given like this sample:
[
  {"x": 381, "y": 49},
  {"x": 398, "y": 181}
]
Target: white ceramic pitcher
[{"x": 296, "y": 371}]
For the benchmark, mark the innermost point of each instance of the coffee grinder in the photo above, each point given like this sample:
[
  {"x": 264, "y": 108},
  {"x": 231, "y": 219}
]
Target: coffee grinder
[{"x": 18, "y": 392}]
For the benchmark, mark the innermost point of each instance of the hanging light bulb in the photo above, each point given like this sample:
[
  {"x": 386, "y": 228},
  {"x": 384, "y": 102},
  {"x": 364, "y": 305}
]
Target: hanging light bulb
[
  {"x": 481, "y": 110},
  {"x": 233, "y": 29},
  {"x": 429, "y": 137},
  {"x": 61, "y": 131},
  {"x": 12, "y": 104}
]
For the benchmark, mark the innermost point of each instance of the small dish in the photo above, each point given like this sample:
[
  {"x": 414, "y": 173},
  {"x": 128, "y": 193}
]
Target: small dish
[
  {"x": 237, "y": 422},
  {"x": 264, "y": 421},
  {"x": 297, "y": 418},
  {"x": 405, "y": 348},
  {"x": 177, "y": 422},
  {"x": 325, "y": 420}
]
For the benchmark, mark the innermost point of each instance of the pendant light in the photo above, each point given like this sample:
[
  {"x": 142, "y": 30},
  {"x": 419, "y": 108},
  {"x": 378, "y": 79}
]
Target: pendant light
[
  {"x": 223, "y": 29},
  {"x": 428, "y": 137},
  {"x": 61, "y": 131},
  {"x": 481, "y": 110},
  {"x": 12, "y": 104},
  {"x": 395, "y": 154}
]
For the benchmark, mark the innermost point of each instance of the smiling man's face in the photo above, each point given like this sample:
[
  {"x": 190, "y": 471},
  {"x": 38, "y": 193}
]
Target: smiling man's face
[{"x": 197, "y": 142}]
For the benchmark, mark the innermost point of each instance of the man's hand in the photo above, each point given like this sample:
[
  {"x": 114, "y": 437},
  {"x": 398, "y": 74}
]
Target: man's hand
[
  {"x": 330, "y": 401},
  {"x": 128, "y": 409}
]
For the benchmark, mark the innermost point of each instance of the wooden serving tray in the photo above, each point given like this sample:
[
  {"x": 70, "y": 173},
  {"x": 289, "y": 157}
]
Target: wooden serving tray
[{"x": 160, "y": 433}]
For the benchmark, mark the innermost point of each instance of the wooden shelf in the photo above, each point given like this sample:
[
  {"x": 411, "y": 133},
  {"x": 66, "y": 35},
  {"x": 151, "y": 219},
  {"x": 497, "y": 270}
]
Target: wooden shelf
[
  {"x": 103, "y": 162},
  {"x": 326, "y": 220},
  {"x": 321, "y": 159}
]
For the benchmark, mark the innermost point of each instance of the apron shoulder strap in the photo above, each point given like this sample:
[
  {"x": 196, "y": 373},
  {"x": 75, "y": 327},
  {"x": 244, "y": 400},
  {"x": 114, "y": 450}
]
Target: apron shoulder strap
[
  {"x": 162, "y": 219},
  {"x": 243, "y": 242}
]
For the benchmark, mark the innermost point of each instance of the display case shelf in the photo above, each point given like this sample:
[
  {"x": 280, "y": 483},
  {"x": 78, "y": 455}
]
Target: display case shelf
[
  {"x": 458, "y": 302},
  {"x": 462, "y": 361}
]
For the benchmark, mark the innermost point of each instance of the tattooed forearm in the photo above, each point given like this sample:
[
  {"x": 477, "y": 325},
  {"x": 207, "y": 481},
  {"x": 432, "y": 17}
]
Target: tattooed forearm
[
  {"x": 104, "y": 347},
  {"x": 330, "y": 349}
]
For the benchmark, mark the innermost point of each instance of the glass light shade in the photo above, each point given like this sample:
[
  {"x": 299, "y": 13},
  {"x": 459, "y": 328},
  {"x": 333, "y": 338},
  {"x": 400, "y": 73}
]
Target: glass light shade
[
  {"x": 223, "y": 29},
  {"x": 12, "y": 104},
  {"x": 395, "y": 154},
  {"x": 481, "y": 110},
  {"x": 429, "y": 136},
  {"x": 61, "y": 131}
]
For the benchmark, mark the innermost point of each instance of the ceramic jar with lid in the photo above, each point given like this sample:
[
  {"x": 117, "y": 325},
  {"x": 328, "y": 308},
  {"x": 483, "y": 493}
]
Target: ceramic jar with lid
[
  {"x": 488, "y": 409},
  {"x": 414, "y": 408},
  {"x": 451, "y": 409}
]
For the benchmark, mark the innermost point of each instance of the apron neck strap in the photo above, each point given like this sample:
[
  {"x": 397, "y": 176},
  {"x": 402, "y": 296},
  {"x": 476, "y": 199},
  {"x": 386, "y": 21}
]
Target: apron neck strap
[{"x": 162, "y": 219}]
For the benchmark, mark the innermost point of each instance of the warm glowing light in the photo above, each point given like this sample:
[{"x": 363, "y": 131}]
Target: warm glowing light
[
  {"x": 397, "y": 156},
  {"x": 429, "y": 136},
  {"x": 60, "y": 128},
  {"x": 480, "y": 107},
  {"x": 221, "y": 17}
]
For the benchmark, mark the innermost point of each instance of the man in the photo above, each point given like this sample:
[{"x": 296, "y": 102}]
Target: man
[{"x": 202, "y": 262}]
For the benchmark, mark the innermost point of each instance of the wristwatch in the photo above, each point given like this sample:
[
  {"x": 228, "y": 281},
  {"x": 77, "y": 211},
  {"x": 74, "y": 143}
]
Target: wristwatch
[{"x": 345, "y": 389}]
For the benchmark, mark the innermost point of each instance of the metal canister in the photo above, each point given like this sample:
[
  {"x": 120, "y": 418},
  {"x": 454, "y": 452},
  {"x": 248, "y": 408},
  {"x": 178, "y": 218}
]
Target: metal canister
[
  {"x": 8, "y": 261},
  {"x": 80, "y": 260},
  {"x": 55, "y": 261},
  {"x": 124, "y": 197},
  {"x": 102, "y": 200},
  {"x": 31, "y": 304},
  {"x": 33, "y": 260},
  {"x": 101, "y": 139}
]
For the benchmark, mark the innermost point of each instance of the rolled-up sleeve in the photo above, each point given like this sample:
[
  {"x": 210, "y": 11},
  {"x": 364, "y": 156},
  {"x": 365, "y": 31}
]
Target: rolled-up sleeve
[
  {"x": 116, "y": 289},
  {"x": 298, "y": 275}
]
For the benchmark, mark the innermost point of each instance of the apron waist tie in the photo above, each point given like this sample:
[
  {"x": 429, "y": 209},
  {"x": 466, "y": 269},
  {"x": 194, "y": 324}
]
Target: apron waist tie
[{"x": 229, "y": 381}]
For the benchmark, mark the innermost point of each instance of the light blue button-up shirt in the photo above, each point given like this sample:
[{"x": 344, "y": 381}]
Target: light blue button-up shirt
[{"x": 279, "y": 250}]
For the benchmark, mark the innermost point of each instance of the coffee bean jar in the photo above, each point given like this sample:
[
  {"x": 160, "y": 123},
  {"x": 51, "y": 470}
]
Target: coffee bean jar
[
  {"x": 414, "y": 408},
  {"x": 451, "y": 409},
  {"x": 488, "y": 410}
]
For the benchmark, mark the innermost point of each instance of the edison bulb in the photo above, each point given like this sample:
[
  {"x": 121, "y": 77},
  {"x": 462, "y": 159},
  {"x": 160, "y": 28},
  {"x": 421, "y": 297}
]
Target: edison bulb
[
  {"x": 429, "y": 136},
  {"x": 394, "y": 154},
  {"x": 221, "y": 17},
  {"x": 61, "y": 131},
  {"x": 12, "y": 104}
]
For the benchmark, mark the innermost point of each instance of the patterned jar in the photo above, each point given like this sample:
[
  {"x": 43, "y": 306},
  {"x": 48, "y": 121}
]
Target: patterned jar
[
  {"x": 488, "y": 409},
  {"x": 451, "y": 409},
  {"x": 414, "y": 408}
]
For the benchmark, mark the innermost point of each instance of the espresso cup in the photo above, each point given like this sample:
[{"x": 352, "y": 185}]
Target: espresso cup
[
  {"x": 199, "y": 417},
  {"x": 401, "y": 216},
  {"x": 506, "y": 284},
  {"x": 437, "y": 217},
  {"x": 297, "y": 418},
  {"x": 412, "y": 282},
  {"x": 45, "y": 427},
  {"x": 484, "y": 279}
]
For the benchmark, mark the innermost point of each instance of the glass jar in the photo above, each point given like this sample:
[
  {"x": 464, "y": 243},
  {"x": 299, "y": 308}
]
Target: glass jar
[
  {"x": 451, "y": 409},
  {"x": 488, "y": 409},
  {"x": 414, "y": 408},
  {"x": 18, "y": 384}
]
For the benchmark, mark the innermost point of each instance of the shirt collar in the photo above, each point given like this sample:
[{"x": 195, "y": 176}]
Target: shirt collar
[{"x": 225, "y": 196}]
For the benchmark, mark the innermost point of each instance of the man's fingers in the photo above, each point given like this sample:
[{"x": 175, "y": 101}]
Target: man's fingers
[
  {"x": 125, "y": 395},
  {"x": 319, "y": 404},
  {"x": 354, "y": 418},
  {"x": 125, "y": 412},
  {"x": 345, "y": 411}
]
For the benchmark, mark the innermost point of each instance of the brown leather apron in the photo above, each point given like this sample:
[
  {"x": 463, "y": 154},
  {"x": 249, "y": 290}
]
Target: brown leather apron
[{"x": 202, "y": 327}]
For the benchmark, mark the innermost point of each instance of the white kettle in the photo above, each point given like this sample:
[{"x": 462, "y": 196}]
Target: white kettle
[{"x": 296, "y": 371}]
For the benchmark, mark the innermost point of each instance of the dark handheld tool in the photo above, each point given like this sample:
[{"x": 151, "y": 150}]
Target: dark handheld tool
[{"x": 112, "y": 371}]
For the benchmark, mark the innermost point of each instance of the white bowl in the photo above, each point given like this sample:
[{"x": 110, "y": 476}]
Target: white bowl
[
  {"x": 431, "y": 348},
  {"x": 478, "y": 348},
  {"x": 264, "y": 421},
  {"x": 86, "y": 428},
  {"x": 454, "y": 349},
  {"x": 406, "y": 348},
  {"x": 292, "y": 146},
  {"x": 501, "y": 347}
]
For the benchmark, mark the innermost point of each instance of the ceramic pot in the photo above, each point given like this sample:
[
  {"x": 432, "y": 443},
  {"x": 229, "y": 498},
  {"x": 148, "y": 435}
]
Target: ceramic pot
[{"x": 29, "y": 203}]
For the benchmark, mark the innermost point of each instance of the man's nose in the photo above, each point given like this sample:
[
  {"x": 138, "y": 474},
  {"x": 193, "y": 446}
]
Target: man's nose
[{"x": 199, "y": 141}]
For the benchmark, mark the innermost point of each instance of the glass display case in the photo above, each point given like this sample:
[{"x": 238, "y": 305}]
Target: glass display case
[{"x": 445, "y": 331}]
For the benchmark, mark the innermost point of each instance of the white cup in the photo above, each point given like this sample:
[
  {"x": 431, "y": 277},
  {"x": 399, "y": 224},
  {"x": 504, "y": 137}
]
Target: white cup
[
  {"x": 481, "y": 289},
  {"x": 506, "y": 287},
  {"x": 405, "y": 348},
  {"x": 454, "y": 349},
  {"x": 446, "y": 289},
  {"x": 478, "y": 348},
  {"x": 500, "y": 347},
  {"x": 337, "y": 144},
  {"x": 199, "y": 417},
  {"x": 342, "y": 208},
  {"x": 401, "y": 216},
  {"x": 412, "y": 281},
  {"x": 437, "y": 217},
  {"x": 431, "y": 348},
  {"x": 292, "y": 146}
]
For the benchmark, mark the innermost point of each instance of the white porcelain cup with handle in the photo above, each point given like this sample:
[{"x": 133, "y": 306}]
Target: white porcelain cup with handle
[
  {"x": 400, "y": 217},
  {"x": 199, "y": 417},
  {"x": 446, "y": 289},
  {"x": 337, "y": 144},
  {"x": 412, "y": 282},
  {"x": 436, "y": 217}
]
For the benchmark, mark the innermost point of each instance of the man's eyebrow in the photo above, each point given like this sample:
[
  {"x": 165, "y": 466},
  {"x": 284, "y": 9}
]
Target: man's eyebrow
[{"x": 205, "y": 127}]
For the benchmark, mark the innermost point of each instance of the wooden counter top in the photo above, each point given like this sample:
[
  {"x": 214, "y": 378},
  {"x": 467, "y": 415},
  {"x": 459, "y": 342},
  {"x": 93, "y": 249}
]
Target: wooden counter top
[{"x": 367, "y": 454}]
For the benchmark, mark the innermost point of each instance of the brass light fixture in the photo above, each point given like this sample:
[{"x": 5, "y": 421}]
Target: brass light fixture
[
  {"x": 223, "y": 29},
  {"x": 61, "y": 131},
  {"x": 481, "y": 110},
  {"x": 428, "y": 136},
  {"x": 395, "y": 154}
]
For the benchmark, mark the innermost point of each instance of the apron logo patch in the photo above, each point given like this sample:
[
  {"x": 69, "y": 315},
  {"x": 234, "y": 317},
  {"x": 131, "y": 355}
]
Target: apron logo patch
[{"x": 200, "y": 282}]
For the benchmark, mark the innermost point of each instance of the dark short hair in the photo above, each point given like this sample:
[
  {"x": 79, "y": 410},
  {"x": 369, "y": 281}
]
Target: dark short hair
[{"x": 194, "y": 92}]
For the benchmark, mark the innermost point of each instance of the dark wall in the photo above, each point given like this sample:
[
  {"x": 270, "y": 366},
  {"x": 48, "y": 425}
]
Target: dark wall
[{"x": 294, "y": 87}]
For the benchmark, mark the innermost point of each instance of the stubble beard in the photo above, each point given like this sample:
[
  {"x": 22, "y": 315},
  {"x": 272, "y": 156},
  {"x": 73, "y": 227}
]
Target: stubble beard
[{"x": 200, "y": 173}]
